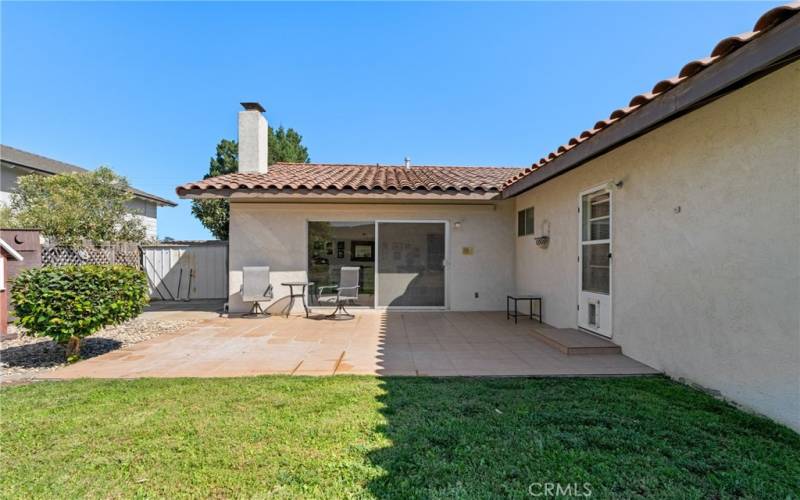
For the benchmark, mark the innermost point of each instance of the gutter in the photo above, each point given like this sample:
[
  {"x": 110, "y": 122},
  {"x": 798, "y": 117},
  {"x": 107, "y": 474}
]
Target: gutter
[{"x": 767, "y": 53}]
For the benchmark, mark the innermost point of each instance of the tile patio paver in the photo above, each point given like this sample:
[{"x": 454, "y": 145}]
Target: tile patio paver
[{"x": 375, "y": 342}]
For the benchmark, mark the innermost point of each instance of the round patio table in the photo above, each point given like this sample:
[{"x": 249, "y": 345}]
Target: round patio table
[{"x": 293, "y": 294}]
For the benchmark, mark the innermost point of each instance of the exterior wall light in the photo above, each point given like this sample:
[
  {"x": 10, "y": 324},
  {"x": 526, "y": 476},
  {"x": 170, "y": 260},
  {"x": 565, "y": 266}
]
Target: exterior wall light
[{"x": 543, "y": 241}]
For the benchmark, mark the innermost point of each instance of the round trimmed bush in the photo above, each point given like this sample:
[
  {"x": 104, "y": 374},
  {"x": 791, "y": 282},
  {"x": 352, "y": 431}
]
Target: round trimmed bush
[{"x": 70, "y": 302}]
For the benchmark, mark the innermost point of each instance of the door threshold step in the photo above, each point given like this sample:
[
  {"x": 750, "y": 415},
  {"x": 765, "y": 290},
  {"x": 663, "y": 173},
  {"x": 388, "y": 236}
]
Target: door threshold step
[{"x": 574, "y": 342}]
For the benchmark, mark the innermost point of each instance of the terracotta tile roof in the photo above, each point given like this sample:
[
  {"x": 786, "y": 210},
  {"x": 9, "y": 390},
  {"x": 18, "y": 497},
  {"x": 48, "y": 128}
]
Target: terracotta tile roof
[
  {"x": 287, "y": 177},
  {"x": 375, "y": 178},
  {"x": 766, "y": 22}
]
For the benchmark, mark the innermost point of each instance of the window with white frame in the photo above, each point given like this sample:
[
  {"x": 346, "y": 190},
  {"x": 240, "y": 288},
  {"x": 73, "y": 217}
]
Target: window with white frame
[{"x": 525, "y": 222}]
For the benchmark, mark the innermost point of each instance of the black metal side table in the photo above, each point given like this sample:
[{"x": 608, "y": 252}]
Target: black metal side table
[
  {"x": 293, "y": 295},
  {"x": 516, "y": 299}
]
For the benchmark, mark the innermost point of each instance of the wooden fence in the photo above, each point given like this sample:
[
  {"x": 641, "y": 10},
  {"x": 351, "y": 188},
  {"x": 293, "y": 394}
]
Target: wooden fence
[
  {"x": 187, "y": 270},
  {"x": 175, "y": 271}
]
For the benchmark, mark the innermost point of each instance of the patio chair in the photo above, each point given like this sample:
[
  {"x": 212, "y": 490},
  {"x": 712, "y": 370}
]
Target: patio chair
[
  {"x": 256, "y": 288},
  {"x": 346, "y": 292}
]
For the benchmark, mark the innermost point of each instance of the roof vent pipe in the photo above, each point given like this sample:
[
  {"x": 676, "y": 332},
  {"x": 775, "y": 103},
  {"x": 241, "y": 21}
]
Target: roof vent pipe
[{"x": 407, "y": 162}]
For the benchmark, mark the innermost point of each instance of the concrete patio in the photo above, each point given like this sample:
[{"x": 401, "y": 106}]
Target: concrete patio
[{"x": 374, "y": 343}]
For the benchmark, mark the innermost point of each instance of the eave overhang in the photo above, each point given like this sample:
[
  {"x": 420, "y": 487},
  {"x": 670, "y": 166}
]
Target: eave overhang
[{"x": 767, "y": 53}]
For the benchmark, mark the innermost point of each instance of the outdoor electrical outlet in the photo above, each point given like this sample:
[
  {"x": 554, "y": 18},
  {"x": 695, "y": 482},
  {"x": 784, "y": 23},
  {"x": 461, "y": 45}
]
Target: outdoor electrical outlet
[{"x": 476, "y": 295}]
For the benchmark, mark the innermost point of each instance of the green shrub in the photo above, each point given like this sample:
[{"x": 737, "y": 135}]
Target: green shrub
[{"x": 68, "y": 303}]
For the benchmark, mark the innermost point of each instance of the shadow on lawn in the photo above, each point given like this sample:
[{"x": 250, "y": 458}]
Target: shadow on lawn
[
  {"x": 448, "y": 437},
  {"x": 456, "y": 438},
  {"x": 614, "y": 437},
  {"x": 617, "y": 437},
  {"x": 48, "y": 353}
]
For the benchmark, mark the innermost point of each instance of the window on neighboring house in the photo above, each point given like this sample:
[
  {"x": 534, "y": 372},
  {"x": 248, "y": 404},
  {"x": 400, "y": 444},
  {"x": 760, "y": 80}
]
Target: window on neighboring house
[{"x": 525, "y": 222}]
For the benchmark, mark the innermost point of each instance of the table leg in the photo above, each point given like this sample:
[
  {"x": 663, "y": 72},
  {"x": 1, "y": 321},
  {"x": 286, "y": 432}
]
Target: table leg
[
  {"x": 507, "y": 310},
  {"x": 540, "y": 311},
  {"x": 516, "y": 310},
  {"x": 530, "y": 309},
  {"x": 291, "y": 304},
  {"x": 303, "y": 298}
]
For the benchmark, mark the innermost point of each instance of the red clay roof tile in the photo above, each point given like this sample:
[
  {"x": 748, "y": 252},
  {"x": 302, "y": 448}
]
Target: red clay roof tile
[
  {"x": 293, "y": 176},
  {"x": 767, "y": 21},
  {"x": 375, "y": 178}
]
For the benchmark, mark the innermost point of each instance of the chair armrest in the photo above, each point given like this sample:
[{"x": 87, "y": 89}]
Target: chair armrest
[
  {"x": 267, "y": 292},
  {"x": 321, "y": 288},
  {"x": 339, "y": 291}
]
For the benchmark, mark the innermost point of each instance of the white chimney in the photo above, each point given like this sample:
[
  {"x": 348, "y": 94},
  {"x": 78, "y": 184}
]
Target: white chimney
[
  {"x": 407, "y": 162},
  {"x": 253, "y": 134}
]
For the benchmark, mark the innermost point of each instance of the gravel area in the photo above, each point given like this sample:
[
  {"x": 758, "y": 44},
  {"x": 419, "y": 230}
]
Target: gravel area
[{"x": 24, "y": 357}]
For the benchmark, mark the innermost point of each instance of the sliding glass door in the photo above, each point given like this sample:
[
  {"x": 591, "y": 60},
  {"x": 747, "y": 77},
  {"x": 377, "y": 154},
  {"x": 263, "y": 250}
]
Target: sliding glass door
[
  {"x": 411, "y": 258},
  {"x": 403, "y": 267},
  {"x": 334, "y": 245}
]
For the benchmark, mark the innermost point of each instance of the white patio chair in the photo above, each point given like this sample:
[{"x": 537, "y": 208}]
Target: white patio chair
[
  {"x": 344, "y": 293},
  {"x": 256, "y": 288}
]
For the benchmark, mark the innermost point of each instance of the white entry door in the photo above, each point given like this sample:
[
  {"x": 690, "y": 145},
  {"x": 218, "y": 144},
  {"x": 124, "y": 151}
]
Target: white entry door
[{"x": 594, "y": 262}]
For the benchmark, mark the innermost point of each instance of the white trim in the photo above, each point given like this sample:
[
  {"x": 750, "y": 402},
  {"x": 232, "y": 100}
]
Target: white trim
[
  {"x": 13, "y": 253},
  {"x": 375, "y": 272},
  {"x": 609, "y": 241}
]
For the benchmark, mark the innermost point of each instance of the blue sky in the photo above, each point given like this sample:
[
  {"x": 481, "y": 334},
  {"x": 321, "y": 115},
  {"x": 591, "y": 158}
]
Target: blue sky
[{"x": 150, "y": 88}]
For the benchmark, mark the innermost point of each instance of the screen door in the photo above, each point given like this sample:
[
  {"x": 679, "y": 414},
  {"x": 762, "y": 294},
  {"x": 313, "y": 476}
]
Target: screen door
[
  {"x": 411, "y": 264},
  {"x": 594, "y": 262}
]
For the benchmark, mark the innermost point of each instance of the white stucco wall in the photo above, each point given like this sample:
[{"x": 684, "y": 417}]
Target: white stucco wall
[
  {"x": 275, "y": 235},
  {"x": 710, "y": 293},
  {"x": 150, "y": 227}
]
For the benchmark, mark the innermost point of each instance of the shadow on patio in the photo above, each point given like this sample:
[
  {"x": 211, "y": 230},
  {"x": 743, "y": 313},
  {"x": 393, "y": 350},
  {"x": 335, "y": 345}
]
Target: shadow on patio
[{"x": 476, "y": 344}]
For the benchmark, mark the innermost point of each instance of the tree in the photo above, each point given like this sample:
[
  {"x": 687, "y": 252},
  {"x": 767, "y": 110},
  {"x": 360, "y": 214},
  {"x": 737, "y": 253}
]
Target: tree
[
  {"x": 72, "y": 208},
  {"x": 6, "y": 217},
  {"x": 284, "y": 145}
]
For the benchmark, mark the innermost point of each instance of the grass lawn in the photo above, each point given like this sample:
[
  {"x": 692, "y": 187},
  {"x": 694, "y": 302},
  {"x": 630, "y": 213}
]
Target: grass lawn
[{"x": 388, "y": 438}]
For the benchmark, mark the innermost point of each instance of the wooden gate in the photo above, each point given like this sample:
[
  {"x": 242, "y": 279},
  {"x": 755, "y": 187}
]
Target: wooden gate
[{"x": 187, "y": 270}]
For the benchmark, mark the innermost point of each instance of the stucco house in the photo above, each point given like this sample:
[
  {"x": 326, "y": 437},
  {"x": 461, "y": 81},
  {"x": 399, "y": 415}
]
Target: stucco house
[
  {"x": 672, "y": 227},
  {"x": 15, "y": 163}
]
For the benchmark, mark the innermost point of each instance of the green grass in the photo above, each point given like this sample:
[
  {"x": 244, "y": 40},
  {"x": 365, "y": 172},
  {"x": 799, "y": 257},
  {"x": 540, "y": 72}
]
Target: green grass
[{"x": 388, "y": 438}]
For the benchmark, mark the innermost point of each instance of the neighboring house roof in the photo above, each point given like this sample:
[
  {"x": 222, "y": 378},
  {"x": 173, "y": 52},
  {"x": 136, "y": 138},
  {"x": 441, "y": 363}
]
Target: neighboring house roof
[
  {"x": 294, "y": 177},
  {"x": 18, "y": 158},
  {"x": 734, "y": 61},
  {"x": 10, "y": 250}
]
